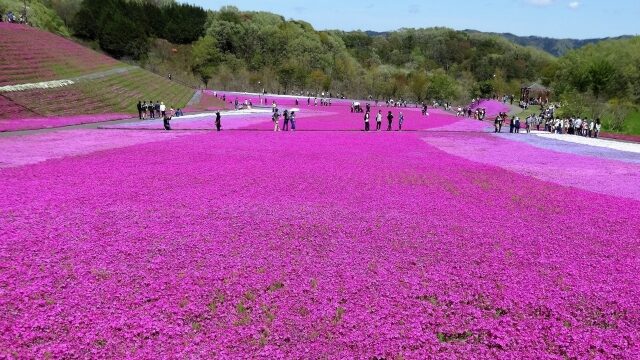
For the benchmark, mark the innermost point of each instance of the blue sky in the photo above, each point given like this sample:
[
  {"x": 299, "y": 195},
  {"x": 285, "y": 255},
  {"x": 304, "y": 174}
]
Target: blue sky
[{"x": 555, "y": 18}]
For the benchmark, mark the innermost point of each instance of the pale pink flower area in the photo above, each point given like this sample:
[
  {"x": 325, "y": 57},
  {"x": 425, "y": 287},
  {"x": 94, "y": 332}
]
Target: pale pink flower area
[
  {"x": 16, "y": 124},
  {"x": 616, "y": 178},
  {"x": 314, "y": 244},
  {"x": 32, "y": 149}
]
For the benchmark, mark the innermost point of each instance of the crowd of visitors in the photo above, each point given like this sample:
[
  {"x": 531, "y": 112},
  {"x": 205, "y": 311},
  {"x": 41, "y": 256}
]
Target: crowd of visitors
[
  {"x": 287, "y": 116},
  {"x": 379, "y": 115},
  {"x": 574, "y": 126},
  {"x": 153, "y": 110},
  {"x": 10, "y": 17},
  {"x": 547, "y": 121},
  {"x": 478, "y": 113}
]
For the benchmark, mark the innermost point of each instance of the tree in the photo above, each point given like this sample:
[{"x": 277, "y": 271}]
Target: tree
[
  {"x": 205, "y": 57},
  {"x": 418, "y": 85},
  {"x": 601, "y": 72},
  {"x": 441, "y": 86},
  {"x": 66, "y": 9},
  {"x": 122, "y": 37},
  {"x": 286, "y": 76},
  {"x": 184, "y": 23}
]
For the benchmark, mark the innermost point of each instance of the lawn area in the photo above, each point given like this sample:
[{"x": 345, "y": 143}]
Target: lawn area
[{"x": 631, "y": 123}]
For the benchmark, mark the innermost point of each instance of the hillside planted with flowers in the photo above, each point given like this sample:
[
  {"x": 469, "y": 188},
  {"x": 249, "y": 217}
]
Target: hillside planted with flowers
[
  {"x": 32, "y": 55},
  {"x": 45, "y": 76},
  {"x": 114, "y": 93}
]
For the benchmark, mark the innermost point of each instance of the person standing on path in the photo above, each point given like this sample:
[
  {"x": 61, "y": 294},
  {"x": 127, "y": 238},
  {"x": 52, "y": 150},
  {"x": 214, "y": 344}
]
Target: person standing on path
[
  {"x": 292, "y": 118},
  {"x": 390, "y": 119},
  {"x": 163, "y": 109},
  {"x": 400, "y": 121},
  {"x": 366, "y": 122},
  {"x": 276, "y": 119},
  {"x": 166, "y": 122},
  {"x": 140, "y": 110},
  {"x": 218, "y": 121},
  {"x": 379, "y": 120},
  {"x": 285, "y": 115}
]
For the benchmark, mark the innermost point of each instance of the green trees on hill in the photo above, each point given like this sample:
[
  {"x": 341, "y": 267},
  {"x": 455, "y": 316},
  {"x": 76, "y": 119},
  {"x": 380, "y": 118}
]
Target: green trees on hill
[
  {"x": 602, "y": 80},
  {"x": 123, "y": 28},
  {"x": 255, "y": 50},
  {"x": 40, "y": 13}
]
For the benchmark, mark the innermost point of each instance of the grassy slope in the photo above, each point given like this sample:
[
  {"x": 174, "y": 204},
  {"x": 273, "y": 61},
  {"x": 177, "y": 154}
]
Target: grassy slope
[
  {"x": 631, "y": 124},
  {"x": 38, "y": 14},
  {"x": 112, "y": 94},
  {"x": 56, "y": 58}
]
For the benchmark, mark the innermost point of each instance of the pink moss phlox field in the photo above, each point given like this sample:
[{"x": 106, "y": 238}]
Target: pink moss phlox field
[
  {"x": 316, "y": 244},
  {"x": 45, "y": 53},
  {"x": 338, "y": 119},
  {"x": 599, "y": 175},
  {"x": 32, "y": 149},
  {"x": 56, "y": 121},
  {"x": 12, "y": 110},
  {"x": 493, "y": 107}
]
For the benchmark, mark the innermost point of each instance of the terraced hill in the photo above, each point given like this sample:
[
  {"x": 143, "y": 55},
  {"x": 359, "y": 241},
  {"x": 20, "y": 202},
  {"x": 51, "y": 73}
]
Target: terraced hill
[
  {"x": 98, "y": 84},
  {"x": 33, "y": 55},
  {"x": 116, "y": 93}
]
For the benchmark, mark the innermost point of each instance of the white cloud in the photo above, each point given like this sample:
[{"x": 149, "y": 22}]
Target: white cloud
[
  {"x": 574, "y": 4},
  {"x": 540, "y": 2}
]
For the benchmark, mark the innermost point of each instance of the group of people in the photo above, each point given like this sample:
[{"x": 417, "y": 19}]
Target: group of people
[
  {"x": 514, "y": 123},
  {"x": 574, "y": 126},
  {"x": 390, "y": 117},
  {"x": 157, "y": 110},
  {"x": 478, "y": 113},
  {"x": 288, "y": 117},
  {"x": 12, "y": 18},
  {"x": 153, "y": 110},
  {"x": 248, "y": 104},
  {"x": 166, "y": 121},
  {"x": 399, "y": 103}
]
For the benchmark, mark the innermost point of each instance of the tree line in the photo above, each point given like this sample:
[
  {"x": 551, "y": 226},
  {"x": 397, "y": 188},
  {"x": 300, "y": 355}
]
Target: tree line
[
  {"x": 123, "y": 28},
  {"x": 258, "y": 49}
]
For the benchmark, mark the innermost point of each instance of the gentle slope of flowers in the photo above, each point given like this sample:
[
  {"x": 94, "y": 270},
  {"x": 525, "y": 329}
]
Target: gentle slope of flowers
[{"x": 316, "y": 244}]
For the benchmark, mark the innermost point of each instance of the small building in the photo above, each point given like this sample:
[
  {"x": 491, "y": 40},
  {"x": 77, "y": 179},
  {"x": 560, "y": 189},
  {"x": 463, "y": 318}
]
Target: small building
[{"x": 535, "y": 93}]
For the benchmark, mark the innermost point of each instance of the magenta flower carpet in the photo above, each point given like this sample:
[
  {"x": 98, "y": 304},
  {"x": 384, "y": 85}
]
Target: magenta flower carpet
[
  {"x": 32, "y": 123},
  {"x": 440, "y": 242}
]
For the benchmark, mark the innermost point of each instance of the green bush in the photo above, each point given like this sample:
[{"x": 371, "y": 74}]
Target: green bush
[{"x": 38, "y": 15}]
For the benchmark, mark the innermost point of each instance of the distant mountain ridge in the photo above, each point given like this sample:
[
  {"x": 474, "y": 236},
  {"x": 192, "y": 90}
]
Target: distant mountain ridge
[{"x": 555, "y": 47}]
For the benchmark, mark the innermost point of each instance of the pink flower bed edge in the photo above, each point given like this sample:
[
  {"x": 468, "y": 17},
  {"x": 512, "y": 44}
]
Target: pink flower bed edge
[{"x": 51, "y": 122}]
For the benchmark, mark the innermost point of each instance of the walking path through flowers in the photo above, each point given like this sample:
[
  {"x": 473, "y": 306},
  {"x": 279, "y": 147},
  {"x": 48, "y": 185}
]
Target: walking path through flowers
[{"x": 441, "y": 241}]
